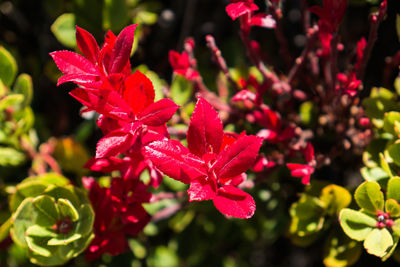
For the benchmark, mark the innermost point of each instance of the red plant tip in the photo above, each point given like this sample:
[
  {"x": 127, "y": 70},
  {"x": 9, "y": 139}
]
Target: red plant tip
[
  {"x": 64, "y": 225},
  {"x": 364, "y": 121},
  {"x": 389, "y": 223},
  {"x": 380, "y": 225}
]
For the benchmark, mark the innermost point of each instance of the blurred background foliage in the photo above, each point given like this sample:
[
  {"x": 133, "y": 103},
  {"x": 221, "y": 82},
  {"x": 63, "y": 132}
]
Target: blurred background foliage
[{"x": 195, "y": 236}]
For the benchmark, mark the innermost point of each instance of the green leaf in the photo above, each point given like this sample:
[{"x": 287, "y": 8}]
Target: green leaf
[
  {"x": 378, "y": 242},
  {"x": 36, "y": 230},
  {"x": 22, "y": 219},
  {"x": 63, "y": 29},
  {"x": 23, "y": 85},
  {"x": 385, "y": 165},
  {"x": 66, "y": 192},
  {"x": 397, "y": 83},
  {"x": 67, "y": 209},
  {"x": 376, "y": 107},
  {"x": 373, "y": 174},
  {"x": 75, "y": 248},
  {"x": 393, "y": 189},
  {"x": 39, "y": 245},
  {"x": 339, "y": 250},
  {"x": 86, "y": 219},
  {"x": 335, "y": 198},
  {"x": 8, "y": 67},
  {"x": 5, "y": 229},
  {"x": 145, "y": 17},
  {"x": 308, "y": 113},
  {"x": 163, "y": 257},
  {"x": 115, "y": 14},
  {"x": 137, "y": 248},
  {"x": 392, "y": 207},
  {"x": 396, "y": 227},
  {"x": 47, "y": 207},
  {"x": 369, "y": 197},
  {"x": 181, "y": 90},
  {"x": 389, "y": 121},
  {"x": 356, "y": 224},
  {"x": 63, "y": 239},
  {"x": 11, "y": 100},
  {"x": 394, "y": 153},
  {"x": 10, "y": 156}
]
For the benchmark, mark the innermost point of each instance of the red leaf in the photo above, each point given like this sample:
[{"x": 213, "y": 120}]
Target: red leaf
[
  {"x": 104, "y": 102},
  {"x": 205, "y": 131},
  {"x": 202, "y": 189},
  {"x": 87, "y": 44},
  {"x": 138, "y": 92},
  {"x": 240, "y": 8},
  {"x": 302, "y": 171},
  {"x": 104, "y": 165},
  {"x": 309, "y": 152},
  {"x": 122, "y": 49},
  {"x": 238, "y": 157},
  {"x": 72, "y": 63},
  {"x": 158, "y": 113},
  {"x": 87, "y": 80},
  {"x": 262, "y": 20},
  {"x": 115, "y": 143},
  {"x": 175, "y": 160},
  {"x": 232, "y": 201}
]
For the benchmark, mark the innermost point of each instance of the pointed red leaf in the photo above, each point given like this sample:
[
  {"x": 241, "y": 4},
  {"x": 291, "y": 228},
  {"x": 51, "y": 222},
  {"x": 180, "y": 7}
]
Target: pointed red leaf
[
  {"x": 205, "y": 129},
  {"x": 263, "y": 20},
  {"x": 117, "y": 142},
  {"x": 104, "y": 102},
  {"x": 308, "y": 152},
  {"x": 87, "y": 80},
  {"x": 104, "y": 165},
  {"x": 240, "y": 8},
  {"x": 202, "y": 189},
  {"x": 232, "y": 201},
  {"x": 175, "y": 160},
  {"x": 72, "y": 63},
  {"x": 87, "y": 44},
  {"x": 238, "y": 157},
  {"x": 122, "y": 49},
  {"x": 138, "y": 92},
  {"x": 158, "y": 113},
  {"x": 302, "y": 171}
]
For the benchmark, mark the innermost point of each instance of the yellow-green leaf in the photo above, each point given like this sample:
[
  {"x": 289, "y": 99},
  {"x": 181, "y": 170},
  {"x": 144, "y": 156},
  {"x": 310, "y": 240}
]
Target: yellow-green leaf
[
  {"x": 8, "y": 67},
  {"x": 378, "y": 242},
  {"x": 356, "y": 224},
  {"x": 369, "y": 197}
]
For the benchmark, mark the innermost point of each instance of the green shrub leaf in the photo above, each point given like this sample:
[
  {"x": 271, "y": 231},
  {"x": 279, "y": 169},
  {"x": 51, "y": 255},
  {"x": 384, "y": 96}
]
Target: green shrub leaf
[
  {"x": 8, "y": 67},
  {"x": 356, "y": 224},
  {"x": 369, "y": 197},
  {"x": 378, "y": 242}
]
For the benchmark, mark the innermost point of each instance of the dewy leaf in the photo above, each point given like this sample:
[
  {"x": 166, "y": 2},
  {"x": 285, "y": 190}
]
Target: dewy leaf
[
  {"x": 122, "y": 49},
  {"x": 378, "y": 242},
  {"x": 232, "y": 201},
  {"x": 23, "y": 85},
  {"x": 393, "y": 189},
  {"x": 392, "y": 207},
  {"x": 205, "y": 130},
  {"x": 8, "y": 67},
  {"x": 158, "y": 113},
  {"x": 175, "y": 160},
  {"x": 138, "y": 91},
  {"x": 356, "y": 224},
  {"x": 238, "y": 157},
  {"x": 114, "y": 143},
  {"x": 63, "y": 29},
  {"x": 87, "y": 44},
  {"x": 369, "y": 197}
]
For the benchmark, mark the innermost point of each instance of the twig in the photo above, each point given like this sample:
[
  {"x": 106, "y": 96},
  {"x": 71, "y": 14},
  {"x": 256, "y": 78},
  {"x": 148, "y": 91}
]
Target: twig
[
  {"x": 376, "y": 19},
  {"x": 299, "y": 62},
  {"x": 220, "y": 60},
  {"x": 276, "y": 13}
]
